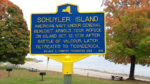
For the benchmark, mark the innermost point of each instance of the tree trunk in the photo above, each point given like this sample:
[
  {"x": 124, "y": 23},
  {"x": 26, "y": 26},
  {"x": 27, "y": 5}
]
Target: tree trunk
[{"x": 132, "y": 68}]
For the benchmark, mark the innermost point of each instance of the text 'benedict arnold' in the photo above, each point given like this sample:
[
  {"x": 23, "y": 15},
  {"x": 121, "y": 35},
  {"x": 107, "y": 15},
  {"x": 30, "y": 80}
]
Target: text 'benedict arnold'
[{"x": 67, "y": 19}]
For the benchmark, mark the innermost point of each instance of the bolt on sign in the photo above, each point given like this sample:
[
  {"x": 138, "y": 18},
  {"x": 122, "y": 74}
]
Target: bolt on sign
[{"x": 68, "y": 31}]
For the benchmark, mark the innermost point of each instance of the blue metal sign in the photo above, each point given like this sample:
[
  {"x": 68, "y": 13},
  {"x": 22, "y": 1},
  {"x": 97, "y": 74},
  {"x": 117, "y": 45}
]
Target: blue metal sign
[{"x": 68, "y": 32}]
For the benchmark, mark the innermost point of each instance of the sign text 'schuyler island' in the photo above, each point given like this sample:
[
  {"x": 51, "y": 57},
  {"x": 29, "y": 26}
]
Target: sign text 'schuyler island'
[{"x": 68, "y": 31}]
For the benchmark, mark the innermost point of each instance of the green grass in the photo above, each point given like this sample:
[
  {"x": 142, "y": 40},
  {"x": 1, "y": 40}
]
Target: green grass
[
  {"x": 29, "y": 59},
  {"x": 21, "y": 76}
]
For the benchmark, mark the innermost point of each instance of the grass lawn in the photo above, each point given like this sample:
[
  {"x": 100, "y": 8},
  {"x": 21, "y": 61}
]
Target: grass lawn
[{"x": 21, "y": 76}]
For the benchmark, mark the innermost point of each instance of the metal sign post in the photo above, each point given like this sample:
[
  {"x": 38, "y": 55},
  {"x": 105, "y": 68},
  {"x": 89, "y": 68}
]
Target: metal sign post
[
  {"x": 68, "y": 36},
  {"x": 68, "y": 70},
  {"x": 68, "y": 79}
]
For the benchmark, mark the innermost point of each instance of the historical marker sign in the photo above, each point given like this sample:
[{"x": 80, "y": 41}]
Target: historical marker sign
[{"x": 68, "y": 32}]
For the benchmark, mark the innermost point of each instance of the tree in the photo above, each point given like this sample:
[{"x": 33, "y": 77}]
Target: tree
[
  {"x": 128, "y": 32},
  {"x": 14, "y": 34}
]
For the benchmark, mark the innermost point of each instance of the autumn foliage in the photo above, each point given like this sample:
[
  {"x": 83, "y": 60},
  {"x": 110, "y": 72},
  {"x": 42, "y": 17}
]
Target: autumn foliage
[
  {"x": 128, "y": 32},
  {"x": 14, "y": 34}
]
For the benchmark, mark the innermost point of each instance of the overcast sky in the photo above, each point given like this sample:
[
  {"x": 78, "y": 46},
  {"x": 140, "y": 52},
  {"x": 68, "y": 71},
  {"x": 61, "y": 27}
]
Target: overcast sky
[{"x": 47, "y": 6}]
